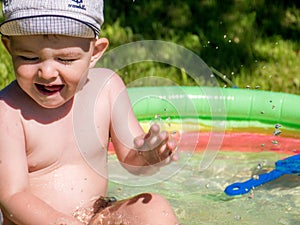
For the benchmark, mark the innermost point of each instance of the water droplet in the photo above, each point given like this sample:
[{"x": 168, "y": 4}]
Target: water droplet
[
  {"x": 277, "y": 132},
  {"x": 259, "y": 166},
  {"x": 284, "y": 221},
  {"x": 277, "y": 126},
  {"x": 237, "y": 217},
  {"x": 165, "y": 213},
  {"x": 168, "y": 120},
  {"x": 181, "y": 213},
  {"x": 225, "y": 36}
]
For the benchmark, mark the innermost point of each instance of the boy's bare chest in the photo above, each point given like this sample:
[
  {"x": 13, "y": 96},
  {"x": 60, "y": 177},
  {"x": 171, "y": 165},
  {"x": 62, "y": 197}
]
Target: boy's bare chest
[
  {"x": 48, "y": 144},
  {"x": 57, "y": 143}
]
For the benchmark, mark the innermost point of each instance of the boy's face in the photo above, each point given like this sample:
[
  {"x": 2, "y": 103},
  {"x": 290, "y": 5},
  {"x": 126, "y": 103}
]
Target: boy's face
[{"x": 49, "y": 68}]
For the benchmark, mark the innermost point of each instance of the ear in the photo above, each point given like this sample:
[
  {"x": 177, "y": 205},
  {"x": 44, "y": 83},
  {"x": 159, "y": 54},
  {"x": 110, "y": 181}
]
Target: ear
[
  {"x": 99, "y": 48},
  {"x": 6, "y": 42}
]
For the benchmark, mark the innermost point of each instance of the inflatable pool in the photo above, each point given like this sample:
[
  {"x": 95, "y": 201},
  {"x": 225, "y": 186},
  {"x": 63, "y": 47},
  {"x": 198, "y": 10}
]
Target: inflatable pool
[
  {"x": 246, "y": 117},
  {"x": 226, "y": 135}
]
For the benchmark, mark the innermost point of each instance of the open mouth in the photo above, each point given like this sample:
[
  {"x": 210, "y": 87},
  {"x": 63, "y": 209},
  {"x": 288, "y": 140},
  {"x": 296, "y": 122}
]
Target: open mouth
[{"x": 49, "y": 89}]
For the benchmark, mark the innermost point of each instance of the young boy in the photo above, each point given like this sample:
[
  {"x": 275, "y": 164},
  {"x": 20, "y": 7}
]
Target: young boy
[{"x": 47, "y": 176}]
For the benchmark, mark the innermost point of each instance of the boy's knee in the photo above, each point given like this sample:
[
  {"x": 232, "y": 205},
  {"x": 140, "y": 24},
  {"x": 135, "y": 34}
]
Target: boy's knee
[
  {"x": 149, "y": 199},
  {"x": 154, "y": 208}
]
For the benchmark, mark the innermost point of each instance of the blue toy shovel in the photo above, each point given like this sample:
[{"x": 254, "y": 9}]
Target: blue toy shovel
[{"x": 290, "y": 165}]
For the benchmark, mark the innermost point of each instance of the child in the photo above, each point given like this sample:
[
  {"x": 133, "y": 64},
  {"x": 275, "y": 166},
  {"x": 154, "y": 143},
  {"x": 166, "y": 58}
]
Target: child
[{"x": 47, "y": 176}]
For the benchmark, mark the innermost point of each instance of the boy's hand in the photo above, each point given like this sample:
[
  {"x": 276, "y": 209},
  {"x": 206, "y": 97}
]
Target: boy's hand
[{"x": 156, "y": 147}]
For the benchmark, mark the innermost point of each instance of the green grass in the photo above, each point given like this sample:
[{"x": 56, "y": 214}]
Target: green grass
[
  {"x": 277, "y": 67},
  {"x": 6, "y": 69}
]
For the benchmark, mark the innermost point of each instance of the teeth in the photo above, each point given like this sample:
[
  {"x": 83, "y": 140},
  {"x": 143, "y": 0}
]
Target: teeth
[
  {"x": 53, "y": 88},
  {"x": 49, "y": 88}
]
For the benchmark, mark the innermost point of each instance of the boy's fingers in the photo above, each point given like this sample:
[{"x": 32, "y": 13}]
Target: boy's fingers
[
  {"x": 154, "y": 128},
  {"x": 154, "y": 138},
  {"x": 175, "y": 157},
  {"x": 163, "y": 136},
  {"x": 138, "y": 142},
  {"x": 153, "y": 131},
  {"x": 172, "y": 144},
  {"x": 165, "y": 154}
]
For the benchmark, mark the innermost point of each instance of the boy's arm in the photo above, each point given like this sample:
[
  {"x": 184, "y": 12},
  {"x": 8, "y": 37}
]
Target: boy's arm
[
  {"x": 18, "y": 204},
  {"x": 138, "y": 152}
]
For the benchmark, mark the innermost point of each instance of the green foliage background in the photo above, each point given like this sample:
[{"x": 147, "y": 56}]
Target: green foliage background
[{"x": 252, "y": 43}]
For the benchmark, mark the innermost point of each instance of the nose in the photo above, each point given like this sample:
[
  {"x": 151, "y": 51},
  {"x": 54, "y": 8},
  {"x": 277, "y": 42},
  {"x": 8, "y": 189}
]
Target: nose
[{"x": 48, "y": 70}]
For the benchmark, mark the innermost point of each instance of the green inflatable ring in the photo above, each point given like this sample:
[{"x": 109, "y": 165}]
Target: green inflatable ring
[{"x": 240, "y": 107}]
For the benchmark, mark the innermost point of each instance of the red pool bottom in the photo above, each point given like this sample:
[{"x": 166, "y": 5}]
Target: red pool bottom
[{"x": 243, "y": 142}]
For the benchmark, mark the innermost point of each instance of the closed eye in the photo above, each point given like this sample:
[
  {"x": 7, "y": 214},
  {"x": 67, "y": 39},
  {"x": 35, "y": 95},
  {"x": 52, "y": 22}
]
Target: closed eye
[
  {"x": 66, "y": 60},
  {"x": 26, "y": 58}
]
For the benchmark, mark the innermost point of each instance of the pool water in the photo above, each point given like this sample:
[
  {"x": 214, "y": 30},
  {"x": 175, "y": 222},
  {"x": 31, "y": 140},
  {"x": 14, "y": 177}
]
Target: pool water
[{"x": 197, "y": 196}]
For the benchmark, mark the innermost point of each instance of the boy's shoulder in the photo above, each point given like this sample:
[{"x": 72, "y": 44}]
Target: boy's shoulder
[
  {"x": 101, "y": 73},
  {"x": 9, "y": 98},
  {"x": 98, "y": 78}
]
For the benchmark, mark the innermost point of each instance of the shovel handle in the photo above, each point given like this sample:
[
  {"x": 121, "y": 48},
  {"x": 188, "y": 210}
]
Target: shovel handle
[{"x": 240, "y": 188}]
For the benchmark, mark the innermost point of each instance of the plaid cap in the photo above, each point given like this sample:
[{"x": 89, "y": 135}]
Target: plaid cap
[{"x": 78, "y": 18}]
